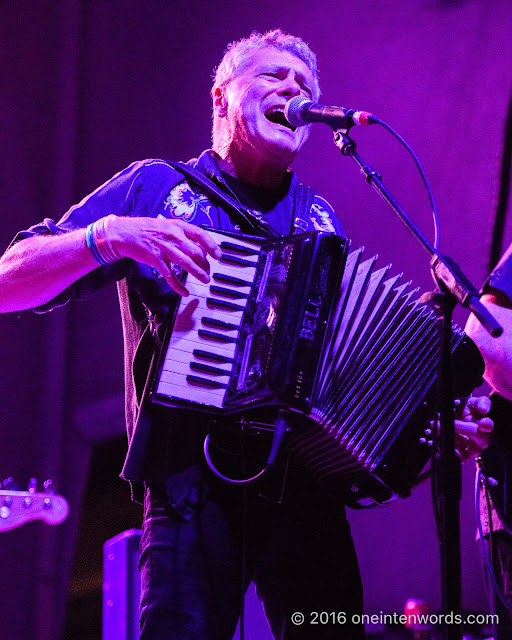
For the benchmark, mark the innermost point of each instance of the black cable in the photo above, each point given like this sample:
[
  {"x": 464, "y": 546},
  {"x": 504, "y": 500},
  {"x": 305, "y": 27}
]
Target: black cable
[
  {"x": 480, "y": 478},
  {"x": 422, "y": 173},
  {"x": 243, "y": 542},
  {"x": 244, "y": 516},
  {"x": 279, "y": 431}
]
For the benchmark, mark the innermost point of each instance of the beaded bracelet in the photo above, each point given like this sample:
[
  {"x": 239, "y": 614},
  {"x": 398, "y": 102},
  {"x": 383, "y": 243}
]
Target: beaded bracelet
[{"x": 98, "y": 242}]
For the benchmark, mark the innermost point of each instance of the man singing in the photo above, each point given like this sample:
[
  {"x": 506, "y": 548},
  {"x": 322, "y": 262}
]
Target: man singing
[{"x": 204, "y": 540}]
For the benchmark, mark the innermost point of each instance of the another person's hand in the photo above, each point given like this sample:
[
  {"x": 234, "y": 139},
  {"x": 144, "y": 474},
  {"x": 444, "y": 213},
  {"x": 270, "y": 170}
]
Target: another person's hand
[
  {"x": 497, "y": 352},
  {"x": 473, "y": 430}
]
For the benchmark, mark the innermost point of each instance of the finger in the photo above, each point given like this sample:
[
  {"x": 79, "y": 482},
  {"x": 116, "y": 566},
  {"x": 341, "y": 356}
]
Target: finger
[
  {"x": 205, "y": 240},
  {"x": 479, "y": 405},
  {"x": 473, "y": 452},
  {"x": 476, "y": 448},
  {"x": 466, "y": 428},
  {"x": 461, "y": 442},
  {"x": 182, "y": 245},
  {"x": 188, "y": 255},
  {"x": 166, "y": 270},
  {"x": 171, "y": 278},
  {"x": 462, "y": 452},
  {"x": 199, "y": 260},
  {"x": 177, "y": 285},
  {"x": 474, "y": 440},
  {"x": 467, "y": 450},
  {"x": 485, "y": 424},
  {"x": 189, "y": 265}
]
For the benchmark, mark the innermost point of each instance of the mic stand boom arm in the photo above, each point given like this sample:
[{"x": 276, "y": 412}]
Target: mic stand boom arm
[
  {"x": 455, "y": 288},
  {"x": 444, "y": 270}
]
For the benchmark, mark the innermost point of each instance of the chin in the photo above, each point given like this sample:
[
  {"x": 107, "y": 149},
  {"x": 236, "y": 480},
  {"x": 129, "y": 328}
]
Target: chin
[
  {"x": 276, "y": 154},
  {"x": 281, "y": 147}
]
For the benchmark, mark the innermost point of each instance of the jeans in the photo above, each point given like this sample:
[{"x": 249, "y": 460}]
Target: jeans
[
  {"x": 501, "y": 550},
  {"x": 204, "y": 541}
]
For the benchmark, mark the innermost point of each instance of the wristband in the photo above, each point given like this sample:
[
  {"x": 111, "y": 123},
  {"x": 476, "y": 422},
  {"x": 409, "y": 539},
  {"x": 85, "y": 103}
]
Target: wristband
[{"x": 97, "y": 240}]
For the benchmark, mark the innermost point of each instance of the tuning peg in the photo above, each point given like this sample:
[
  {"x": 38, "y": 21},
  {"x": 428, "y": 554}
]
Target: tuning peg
[
  {"x": 32, "y": 485},
  {"x": 10, "y": 485},
  {"x": 48, "y": 486}
]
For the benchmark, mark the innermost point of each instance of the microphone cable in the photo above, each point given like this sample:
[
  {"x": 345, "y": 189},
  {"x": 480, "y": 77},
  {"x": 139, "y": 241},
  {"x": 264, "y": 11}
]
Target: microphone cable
[
  {"x": 423, "y": 175},
  {"x": 503, "y": 193}
]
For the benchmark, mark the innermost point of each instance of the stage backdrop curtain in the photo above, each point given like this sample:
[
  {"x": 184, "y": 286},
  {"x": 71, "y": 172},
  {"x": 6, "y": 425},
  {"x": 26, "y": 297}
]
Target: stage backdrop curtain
[{"x": 89, "y": 86}]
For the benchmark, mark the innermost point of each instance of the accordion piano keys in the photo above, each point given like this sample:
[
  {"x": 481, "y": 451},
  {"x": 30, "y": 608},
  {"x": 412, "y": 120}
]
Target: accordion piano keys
[{"x": 199, "y": 358}]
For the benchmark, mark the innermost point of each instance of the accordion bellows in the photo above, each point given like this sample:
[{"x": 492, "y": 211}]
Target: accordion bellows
[{"x": 344, "y": 347}]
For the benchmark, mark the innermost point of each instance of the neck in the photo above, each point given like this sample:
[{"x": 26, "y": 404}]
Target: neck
[{"x": 249, "y": 170}]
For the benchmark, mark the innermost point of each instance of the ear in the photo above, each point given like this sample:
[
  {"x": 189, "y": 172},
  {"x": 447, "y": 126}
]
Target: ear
[{"x": 220, "y": 103}]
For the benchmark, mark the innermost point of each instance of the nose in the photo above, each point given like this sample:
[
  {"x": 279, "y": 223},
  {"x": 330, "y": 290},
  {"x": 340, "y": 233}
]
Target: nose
[{"x": 289, "y": 86}]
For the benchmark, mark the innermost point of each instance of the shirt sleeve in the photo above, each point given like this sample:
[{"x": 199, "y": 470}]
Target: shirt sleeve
[
  {"x": 138, "y": 190},
  {"x": 501, "y": 277}
]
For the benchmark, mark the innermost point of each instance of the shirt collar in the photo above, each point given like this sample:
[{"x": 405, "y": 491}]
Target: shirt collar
[{"x": 208, "y": 164}]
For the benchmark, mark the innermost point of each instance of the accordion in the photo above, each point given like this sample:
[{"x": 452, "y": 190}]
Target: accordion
[{"x": 345, "y": 348}]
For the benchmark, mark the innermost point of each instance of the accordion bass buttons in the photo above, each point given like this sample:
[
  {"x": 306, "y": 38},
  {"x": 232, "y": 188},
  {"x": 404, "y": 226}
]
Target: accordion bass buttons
[{"x": 298, "y": 385}]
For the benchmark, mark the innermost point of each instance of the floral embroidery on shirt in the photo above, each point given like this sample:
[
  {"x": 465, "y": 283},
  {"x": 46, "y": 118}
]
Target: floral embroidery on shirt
[
  {"x": 183, "y": 203},
  {"x": 321, "y": 215}
]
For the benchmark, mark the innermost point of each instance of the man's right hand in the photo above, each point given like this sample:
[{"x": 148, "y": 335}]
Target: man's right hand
[
  {"x": 35, "y": 270},
  {"x": 162, "y": 243}
]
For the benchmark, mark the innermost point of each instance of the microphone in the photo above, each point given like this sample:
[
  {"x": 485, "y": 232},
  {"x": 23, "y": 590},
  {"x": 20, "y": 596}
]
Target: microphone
[{"x": 300, "y": 111}]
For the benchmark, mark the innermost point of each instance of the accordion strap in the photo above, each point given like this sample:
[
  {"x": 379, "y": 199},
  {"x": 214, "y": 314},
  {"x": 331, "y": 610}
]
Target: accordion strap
[
  {"x": 304, "y": 197},
  {"x": 247, "y": 220}
]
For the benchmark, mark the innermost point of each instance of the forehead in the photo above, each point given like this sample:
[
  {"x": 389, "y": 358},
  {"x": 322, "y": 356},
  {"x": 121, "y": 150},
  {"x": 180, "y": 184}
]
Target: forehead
[{"x": 272, "y": 58}]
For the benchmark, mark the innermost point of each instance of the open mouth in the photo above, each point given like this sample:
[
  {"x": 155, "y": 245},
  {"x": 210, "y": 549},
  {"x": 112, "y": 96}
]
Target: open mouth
[{"x": 276, "y": 114}]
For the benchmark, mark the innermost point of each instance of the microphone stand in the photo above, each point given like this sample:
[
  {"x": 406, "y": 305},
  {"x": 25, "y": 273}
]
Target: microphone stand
[{"x": 454, "y": 288}]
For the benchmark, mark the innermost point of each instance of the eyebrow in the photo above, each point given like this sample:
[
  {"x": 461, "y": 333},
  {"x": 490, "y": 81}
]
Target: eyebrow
[{"x": 277, "y": 68}]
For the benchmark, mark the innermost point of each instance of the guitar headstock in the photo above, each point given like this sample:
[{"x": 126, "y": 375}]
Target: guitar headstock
[{"x": 18, "y": 507}]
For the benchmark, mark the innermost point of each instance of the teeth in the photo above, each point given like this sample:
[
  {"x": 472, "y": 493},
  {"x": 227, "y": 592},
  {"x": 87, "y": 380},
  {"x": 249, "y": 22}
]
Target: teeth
[{"x": 276, "y": 115}]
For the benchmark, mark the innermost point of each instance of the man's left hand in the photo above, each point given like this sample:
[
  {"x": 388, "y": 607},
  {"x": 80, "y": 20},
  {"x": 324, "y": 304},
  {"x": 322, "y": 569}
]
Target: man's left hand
[{"x": 473, "y": 430}]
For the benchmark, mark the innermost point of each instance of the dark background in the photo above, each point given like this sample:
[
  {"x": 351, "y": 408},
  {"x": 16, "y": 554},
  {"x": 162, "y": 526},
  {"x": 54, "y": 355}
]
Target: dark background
[{"x": 87, "y": 86}]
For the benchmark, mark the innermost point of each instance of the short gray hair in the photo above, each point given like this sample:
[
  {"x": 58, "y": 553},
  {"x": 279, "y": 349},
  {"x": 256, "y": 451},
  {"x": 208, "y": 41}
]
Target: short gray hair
[{"x": 237, "y": 55}]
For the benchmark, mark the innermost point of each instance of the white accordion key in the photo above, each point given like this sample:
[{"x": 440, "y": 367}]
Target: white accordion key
[{"x": 200, "y": 354}]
